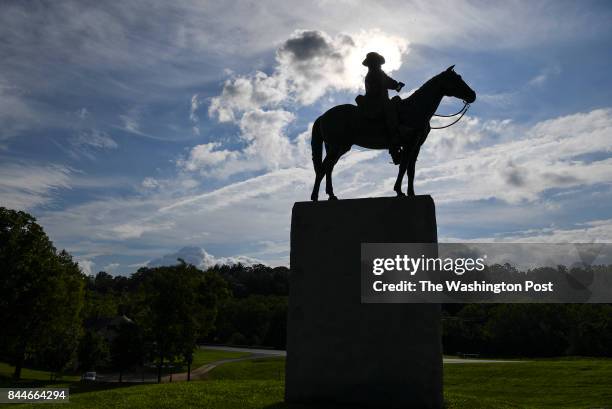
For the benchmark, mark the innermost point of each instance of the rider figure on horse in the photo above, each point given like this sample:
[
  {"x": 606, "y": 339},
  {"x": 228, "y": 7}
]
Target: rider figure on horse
[{"x": 377, "y": 84}]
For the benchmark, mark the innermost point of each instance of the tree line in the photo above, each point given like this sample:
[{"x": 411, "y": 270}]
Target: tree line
[
  {"x": 168, "y": 311},
  {"x": 528, "y": 330},
  {"x": 54, "y": 317}
]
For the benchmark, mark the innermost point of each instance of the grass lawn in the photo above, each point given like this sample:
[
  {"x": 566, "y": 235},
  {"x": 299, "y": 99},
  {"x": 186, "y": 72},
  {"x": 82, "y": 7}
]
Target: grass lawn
[
  {"x": 554, "y": 383},
  {"x": 264, "y": 368},
  {"x": 203, "y": 356},
  {"x": 6, "y": 372},
  {"x": 559, "y": 383}
]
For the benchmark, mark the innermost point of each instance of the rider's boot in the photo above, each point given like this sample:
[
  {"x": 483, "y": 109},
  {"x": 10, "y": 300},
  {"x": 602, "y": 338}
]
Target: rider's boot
[
  {"x": 393, "y": 130},
  {"x": 395, "y": 148}
]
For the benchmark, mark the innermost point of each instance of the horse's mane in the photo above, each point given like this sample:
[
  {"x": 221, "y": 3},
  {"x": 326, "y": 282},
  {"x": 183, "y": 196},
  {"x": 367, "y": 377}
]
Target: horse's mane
[{"x": 419, "y": 92}]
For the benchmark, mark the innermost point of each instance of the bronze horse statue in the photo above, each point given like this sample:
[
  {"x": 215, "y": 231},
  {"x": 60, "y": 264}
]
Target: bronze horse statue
[{"x": 343, "y": 126}]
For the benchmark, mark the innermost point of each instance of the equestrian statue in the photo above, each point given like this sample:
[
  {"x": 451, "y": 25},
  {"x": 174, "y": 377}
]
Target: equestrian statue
[{"x": 377, "y": 122}]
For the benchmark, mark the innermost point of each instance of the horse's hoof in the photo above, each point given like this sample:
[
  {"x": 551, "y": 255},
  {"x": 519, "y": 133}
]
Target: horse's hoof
[{"x": 332, "y": 197}]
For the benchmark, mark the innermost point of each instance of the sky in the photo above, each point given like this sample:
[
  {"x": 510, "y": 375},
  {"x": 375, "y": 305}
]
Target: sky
[{"x": 137, "y": 132}]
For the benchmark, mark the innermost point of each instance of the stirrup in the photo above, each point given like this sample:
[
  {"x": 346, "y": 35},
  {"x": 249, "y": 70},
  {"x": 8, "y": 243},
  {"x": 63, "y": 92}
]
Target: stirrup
[{"x": 396, "y": 156}]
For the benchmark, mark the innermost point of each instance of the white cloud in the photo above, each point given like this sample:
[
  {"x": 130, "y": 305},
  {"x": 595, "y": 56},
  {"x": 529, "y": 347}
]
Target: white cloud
[
  {"x": 308, "y": 65},
  {"x": 200, "y": 258},
  {"x": 150, "y": 183},
  {"x": 94, "y": 138},
  {"x": 16, "y": 114},
  {"x": 24, "y": 186},
  {"x": 111, "y": 267},
  {"x": 240, "y": 214},
  {"x": 87, "y": 266},
  {"x": 250, "y": 213},
  {"x": 193, "y": 113},
  {"x": 545, "y": 75},
  {"x": 254, "y": 187},
  {"x": 264, "y": 132},
  {"x": 592, "y": 231},
  {"x": 244, "y": 93},
  {"x": 195, "y": 103},
  {"x": 206, "y": 155},
  {"x": 134, "y": 230},
  {"x": 267, "y": 147},
  {"x": 152, "y": 48},
  {"x": 130, "y": 124},
  {"x": 102, "y": 32}
]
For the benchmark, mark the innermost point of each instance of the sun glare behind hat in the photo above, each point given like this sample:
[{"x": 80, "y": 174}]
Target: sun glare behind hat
[{"x": 373, "y": 58}]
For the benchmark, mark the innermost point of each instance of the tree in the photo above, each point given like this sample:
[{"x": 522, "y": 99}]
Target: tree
[
  {"x": 210, "y": 291},
  {"x": 41, "y": 295},
  {"x": 126, "y": 347},
  {"x": 590, "y": 330},
  {"x": 277, "y": 329},
  {"x": 253, "y": 320},
  {"x": 93, "y": 350},
  {"x": 528, "y": 329},
  {"x": 178, "y": 305}
]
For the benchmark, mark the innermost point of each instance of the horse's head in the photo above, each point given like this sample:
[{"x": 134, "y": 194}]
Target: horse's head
[{"x": 454, "y": 86}]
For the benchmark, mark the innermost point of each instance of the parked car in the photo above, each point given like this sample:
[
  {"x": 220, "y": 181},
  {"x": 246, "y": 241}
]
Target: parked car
[{"x": 88, "y": 377}]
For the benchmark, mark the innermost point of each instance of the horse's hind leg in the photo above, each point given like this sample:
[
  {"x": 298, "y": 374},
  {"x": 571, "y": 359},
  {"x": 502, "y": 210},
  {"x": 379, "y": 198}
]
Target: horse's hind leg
[
  {"x": 318, "y": 178},
  {"x": 333, "y": 156},
  {"x": 329, "y": 188}
]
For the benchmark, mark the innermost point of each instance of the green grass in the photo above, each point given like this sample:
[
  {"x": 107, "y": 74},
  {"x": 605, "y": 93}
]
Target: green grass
[
  {"x": 567, "y": 383},
  {"x": 264, "y": 368},
  {"x": 558, "y": 383},
  {"x": 203, "y": 394},
  {"x": 6, "y": 372},
  {"x": 555, "y": 383}
]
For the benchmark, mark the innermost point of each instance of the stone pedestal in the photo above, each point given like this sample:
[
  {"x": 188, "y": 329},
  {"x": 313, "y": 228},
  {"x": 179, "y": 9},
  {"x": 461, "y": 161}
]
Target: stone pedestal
[{"x": 338, "y": 349}]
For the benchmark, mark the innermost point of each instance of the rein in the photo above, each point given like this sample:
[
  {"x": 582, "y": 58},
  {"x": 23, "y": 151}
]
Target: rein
[{"x": 463, "y": 110}]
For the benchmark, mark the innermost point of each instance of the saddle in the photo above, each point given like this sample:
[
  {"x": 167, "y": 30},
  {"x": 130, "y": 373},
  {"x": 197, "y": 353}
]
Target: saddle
[{"x": 369, "y": 109}]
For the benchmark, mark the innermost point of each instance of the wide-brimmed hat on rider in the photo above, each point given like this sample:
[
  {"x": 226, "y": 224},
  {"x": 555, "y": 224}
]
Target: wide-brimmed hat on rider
[{"x": 373, "y": 59}]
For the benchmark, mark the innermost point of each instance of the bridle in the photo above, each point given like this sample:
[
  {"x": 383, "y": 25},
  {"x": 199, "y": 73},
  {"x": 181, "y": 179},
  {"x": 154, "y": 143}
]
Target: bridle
[{"x": 462, "y": 111}]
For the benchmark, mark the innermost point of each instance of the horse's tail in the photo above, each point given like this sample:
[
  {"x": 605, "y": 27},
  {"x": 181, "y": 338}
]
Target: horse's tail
[{"x": 316, "y": 143}]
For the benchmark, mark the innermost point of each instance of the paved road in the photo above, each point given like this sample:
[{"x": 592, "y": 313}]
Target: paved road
[
  {"x": 256, "y": 353},
  {"x": 278, "y": 352},
  {"x": 262, "y": 351},
  {"x": 477, "y": 361}
]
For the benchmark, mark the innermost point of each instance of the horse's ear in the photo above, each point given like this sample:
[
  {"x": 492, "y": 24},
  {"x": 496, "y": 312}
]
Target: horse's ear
[{"x": 450, "y": 68}]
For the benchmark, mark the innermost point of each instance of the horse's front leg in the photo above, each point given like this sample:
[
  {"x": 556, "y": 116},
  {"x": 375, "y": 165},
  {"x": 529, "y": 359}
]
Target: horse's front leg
[
  {"x": 400, "y": 174},
  {"x": 411, "y": 170}
]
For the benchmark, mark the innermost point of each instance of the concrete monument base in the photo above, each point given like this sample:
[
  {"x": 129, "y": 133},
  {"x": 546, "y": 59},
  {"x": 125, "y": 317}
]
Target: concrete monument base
[{"x": 338, "y": 349}]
